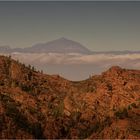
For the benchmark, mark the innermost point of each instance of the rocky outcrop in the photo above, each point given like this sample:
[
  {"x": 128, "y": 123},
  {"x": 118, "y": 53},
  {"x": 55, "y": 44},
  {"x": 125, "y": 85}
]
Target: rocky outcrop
[{"x": 36, "y": 105}]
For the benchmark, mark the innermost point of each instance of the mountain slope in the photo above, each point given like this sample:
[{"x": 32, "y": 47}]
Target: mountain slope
[
  {"x": 61, "y": 45},
  {"x": 37, "y": 105}
]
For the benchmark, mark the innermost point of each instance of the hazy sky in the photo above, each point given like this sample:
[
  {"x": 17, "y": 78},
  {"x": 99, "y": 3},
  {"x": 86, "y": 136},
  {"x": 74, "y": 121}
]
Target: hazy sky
[{"x": 100, "y": 26}]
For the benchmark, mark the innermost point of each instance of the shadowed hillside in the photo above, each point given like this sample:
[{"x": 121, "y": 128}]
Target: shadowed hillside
[{"x": 37, "y": 105}]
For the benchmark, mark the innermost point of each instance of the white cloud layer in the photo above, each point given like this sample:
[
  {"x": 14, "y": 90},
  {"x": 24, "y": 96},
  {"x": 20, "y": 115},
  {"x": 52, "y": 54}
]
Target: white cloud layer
[{"x": 86, "y": 64}]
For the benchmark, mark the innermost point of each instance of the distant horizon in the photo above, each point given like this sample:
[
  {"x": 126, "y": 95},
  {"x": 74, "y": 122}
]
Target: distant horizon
[
  {"x": 98, "y": 25},
  {"x": 71, "y": 40}
]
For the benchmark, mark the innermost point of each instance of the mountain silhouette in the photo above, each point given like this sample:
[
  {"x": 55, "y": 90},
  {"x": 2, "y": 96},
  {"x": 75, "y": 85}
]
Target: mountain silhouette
[{"x": 61, "y": 45}]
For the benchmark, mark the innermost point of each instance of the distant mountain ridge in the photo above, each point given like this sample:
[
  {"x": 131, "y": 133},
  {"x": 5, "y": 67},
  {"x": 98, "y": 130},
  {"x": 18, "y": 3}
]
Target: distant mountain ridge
[
  {"x": 5, "y": 49},
  {"x": 61, "y": 45}
]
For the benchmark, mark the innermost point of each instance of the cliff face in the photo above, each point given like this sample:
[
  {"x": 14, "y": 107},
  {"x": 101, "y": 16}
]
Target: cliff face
[{"x": 36, "y": 105}]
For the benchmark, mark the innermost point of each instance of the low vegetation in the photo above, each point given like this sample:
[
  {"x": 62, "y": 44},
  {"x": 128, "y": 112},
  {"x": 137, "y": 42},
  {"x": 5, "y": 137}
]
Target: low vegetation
[{"x": 34, "y": 105}]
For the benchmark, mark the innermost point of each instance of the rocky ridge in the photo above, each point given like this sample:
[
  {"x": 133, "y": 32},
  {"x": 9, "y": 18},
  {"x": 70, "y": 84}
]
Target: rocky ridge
[{"x": 37, "y": 105}]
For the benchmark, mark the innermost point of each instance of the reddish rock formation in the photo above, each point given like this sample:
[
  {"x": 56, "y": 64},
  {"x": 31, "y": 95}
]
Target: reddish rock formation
[{"x": 36, "y": 105}]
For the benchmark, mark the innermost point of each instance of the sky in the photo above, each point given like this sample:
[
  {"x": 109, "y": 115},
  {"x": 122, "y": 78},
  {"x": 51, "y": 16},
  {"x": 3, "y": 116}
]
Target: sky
[{"x": 100, "y": 26}]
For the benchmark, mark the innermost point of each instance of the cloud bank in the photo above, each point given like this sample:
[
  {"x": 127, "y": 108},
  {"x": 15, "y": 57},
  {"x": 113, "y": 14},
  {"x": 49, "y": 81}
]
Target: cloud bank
[{"x": 77, "y": 66}]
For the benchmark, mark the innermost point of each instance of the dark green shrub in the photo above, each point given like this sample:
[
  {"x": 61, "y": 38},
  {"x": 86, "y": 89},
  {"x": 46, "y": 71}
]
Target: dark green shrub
[
  {"x": 37, "y": 131},
  {"x": 121, "y": 114},
  {"x": 58, "y": 111},
  {"x": 134, "y": 105},
  {"x": 75, "y": 115}
]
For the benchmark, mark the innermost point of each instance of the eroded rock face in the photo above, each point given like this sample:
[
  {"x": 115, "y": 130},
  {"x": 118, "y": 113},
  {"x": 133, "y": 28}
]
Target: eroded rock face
[{"x": 36, "y": 105}]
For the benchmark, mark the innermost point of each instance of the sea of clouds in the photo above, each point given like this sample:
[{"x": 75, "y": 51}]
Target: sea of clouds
[{"x": 77, "y": 66}]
